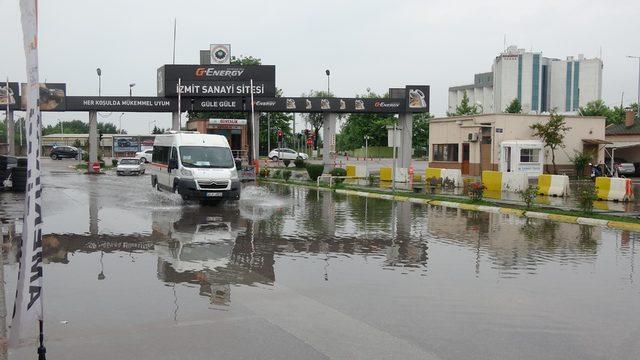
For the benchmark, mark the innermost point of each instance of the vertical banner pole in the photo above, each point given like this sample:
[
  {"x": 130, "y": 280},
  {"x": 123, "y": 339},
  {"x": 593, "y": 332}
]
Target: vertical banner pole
[
  {"x": 28, "y": 306},
  {"x": 254, "y": 136},
  {"x": 179, "y": 105}
]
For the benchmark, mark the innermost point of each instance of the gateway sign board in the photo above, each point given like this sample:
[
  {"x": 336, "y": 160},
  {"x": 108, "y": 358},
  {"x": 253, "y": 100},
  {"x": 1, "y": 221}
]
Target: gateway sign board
[
  {"x": 337, "y": 105},
  {"x": 216, "y": 80}
]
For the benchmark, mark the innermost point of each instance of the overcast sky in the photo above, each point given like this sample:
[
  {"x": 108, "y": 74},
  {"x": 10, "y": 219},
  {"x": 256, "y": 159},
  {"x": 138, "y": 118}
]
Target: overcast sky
[{"x": 376, "y": 44}]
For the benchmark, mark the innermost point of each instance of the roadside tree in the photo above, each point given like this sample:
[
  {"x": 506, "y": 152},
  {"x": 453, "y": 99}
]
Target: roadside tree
[{"x": 552, "y": 134}]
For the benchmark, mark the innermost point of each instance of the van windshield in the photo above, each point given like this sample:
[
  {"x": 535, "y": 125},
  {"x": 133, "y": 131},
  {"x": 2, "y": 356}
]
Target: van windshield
[{"x": 206, "y": 157}]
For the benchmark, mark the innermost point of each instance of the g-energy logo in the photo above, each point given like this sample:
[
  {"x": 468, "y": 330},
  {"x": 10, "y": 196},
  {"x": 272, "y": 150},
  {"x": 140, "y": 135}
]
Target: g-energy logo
[
  {"x": 207, "y": 72},
  {"x": 382, "y": 104}
]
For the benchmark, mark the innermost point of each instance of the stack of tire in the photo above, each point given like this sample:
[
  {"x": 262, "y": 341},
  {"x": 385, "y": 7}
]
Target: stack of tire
[{"x": 19, "y": 175}]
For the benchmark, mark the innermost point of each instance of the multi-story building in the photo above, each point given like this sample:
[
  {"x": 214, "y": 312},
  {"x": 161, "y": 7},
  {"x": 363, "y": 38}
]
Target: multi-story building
[{"x": 541, "y": 84}]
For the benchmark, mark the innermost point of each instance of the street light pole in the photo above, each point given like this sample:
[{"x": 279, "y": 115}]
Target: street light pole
[
  {"x": 99, "y": 72},
  {"x": 131, "y": 89},
  {"x": 328, "y": 81},
  {"x": 638, "y": 58},
  {"x": 366, "y": 153}
]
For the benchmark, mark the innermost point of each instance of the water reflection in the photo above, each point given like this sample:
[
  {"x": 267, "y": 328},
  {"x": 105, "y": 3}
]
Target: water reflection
[{"x": 216, "y": 248}]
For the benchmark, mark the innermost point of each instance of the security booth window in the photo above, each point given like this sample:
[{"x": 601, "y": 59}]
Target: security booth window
[
  {"x": 529, "y": 155},
  {"x": 160, "y": 154},
  {"x": 445, "y": 152}
]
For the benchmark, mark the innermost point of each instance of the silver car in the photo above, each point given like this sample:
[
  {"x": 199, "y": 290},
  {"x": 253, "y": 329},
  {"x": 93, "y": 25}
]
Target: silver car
[
  {"x": 129, "y": 166},
  {"x": 286, "y": 154}
]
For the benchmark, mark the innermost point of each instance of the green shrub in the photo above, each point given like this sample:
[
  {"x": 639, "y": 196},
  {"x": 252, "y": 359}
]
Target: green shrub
[
  {"x": 299, "y": 163},
  {"x": 580, "y": 162},
  {"x": 114, "y": 162},
  {"x": 372, "y": 179},
  {"x": 528, "y": 195},
  {"x": 277, "y": 174},
  {"x": 314, "y": 171},
  {"x": 475, "y": 191},
  {"x": 587, "y": 193},
  {"x": 286, "y": 174},
  {"x": 338, "y": 172},
  {"x": 264, "y": 173},
  {"x": 286, "y": 162}
]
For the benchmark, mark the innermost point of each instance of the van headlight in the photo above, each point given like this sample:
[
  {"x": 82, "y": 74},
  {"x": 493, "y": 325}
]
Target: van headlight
[{"x": 186, "y": 172}]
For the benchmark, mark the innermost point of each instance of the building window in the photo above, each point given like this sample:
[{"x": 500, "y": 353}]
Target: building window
[
  {"x": 529, "y": 155},
  {"x": 445, "y": 152},
  {"x": 535, "y": 83},
  {"x": 520, "y": 78},
  {"x": 160, "y": 154},
  {"x": 567, "y": 105},
  {"x": 576, "y": 82}
]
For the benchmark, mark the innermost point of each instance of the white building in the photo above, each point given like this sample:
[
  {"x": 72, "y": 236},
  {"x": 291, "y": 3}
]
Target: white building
[{"x": 540, "y": 83}]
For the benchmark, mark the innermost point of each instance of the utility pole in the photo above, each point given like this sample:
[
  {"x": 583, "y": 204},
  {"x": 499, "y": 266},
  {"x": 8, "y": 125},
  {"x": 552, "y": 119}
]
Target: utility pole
[
  {"x": 99, "y": 72},
  {"x": 637, "y": 58}
]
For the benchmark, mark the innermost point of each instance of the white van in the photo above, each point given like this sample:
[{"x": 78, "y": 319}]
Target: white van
[{"x": 196, "y": 166}]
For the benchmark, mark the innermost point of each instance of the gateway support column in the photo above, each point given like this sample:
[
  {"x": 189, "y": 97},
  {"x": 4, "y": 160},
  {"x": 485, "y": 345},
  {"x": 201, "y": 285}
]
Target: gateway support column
[
  {"x": 328, "y": 139},
  {"x": 10, "y": 133},
  {"x": 406, "y": 140},
  {"x": 93, "y": 139}
]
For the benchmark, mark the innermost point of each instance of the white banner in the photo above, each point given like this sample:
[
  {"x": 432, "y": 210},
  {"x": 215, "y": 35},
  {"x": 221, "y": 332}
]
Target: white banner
[{"x": 27, "y": 310}]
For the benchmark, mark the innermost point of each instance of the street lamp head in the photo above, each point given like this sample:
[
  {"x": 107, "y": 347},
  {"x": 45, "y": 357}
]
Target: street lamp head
[
  {"x": 633, "y": 57},
  {"x": 99, "y": 71},
  {"x": 132, "y": 84},
  {"x": 327, "y": 72}
]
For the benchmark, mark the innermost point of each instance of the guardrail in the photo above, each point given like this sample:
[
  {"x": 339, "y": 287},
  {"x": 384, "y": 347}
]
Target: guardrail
[{"x": 331, "y": 177}]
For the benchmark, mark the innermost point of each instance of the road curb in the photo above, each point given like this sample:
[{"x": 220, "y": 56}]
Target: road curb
[{"x": 618, "y": 225}]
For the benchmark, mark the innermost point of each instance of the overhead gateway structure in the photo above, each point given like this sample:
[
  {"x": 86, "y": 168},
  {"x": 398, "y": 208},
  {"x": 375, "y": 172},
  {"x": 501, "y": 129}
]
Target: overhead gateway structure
[{"x": 230, "y": 88}]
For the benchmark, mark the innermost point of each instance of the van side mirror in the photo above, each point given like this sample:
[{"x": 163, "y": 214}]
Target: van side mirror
[
  {"x": 173, "y": 164},
  {"x": 238, "y": 164}
]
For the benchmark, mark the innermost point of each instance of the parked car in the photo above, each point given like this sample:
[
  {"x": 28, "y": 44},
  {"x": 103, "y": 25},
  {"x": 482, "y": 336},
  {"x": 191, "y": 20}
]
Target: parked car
[
  {"x": 285, "y": 153},
  {"x": 624, "y": 167},
  {"x": 61, "y": 152},
  {"x": 129, "y": 166},
  {"x": 144, "y": 156}
]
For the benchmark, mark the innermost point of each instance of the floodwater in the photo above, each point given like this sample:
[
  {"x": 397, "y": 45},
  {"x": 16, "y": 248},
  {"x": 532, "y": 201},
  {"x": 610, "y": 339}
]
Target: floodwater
[{"x": 294, "y": 273}]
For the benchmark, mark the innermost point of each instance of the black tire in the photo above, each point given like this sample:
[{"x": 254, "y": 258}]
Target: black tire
[
  {"x": 143, "y": 160},
  {"x": 275, "y": 158},
  {"x": 54, "y": 157}
]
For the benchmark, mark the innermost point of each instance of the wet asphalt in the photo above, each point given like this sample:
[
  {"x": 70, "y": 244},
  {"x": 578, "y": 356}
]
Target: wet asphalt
[{"x": 132, "y": 273}]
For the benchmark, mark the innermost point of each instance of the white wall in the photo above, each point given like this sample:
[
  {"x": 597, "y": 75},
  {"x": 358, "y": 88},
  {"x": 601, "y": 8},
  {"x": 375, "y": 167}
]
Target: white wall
[
  {"x": 557, "y": 85},
  {"x": 590, "y": 82}
]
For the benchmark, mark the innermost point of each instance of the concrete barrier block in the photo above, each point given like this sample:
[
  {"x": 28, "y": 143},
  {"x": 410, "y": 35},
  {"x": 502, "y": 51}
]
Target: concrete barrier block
[
  {"x": 351, "y": 170},
  {"x": 492, "y": 180},
  {"x": 618, "y": 189},
  {"x": 553, "y": 185},
  {"x": 514, "y": 181},
  {"x": 433, "y": 173},
  {"x": 385, "y": 173}
]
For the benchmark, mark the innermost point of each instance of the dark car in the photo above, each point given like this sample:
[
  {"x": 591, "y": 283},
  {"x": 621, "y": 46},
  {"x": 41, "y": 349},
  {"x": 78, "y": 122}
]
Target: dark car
[
  {"x": 123, "y": 143},
  {"x": 60, "y": 152}
]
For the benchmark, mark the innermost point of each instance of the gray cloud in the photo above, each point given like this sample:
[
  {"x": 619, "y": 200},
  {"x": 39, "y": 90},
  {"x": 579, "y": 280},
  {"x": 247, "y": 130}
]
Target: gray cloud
[{"x": 376, "y": 44}]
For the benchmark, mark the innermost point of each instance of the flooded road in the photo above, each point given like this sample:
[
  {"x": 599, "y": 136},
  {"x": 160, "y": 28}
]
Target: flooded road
[{"x": 131, "y": 273}]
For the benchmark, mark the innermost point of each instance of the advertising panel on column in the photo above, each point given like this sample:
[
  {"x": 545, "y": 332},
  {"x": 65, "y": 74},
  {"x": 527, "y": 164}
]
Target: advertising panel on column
[
  {"x": 52, "y": 96},
  {"x": 417, "y": 98},
  {"x": 126, "y": 144},
  {"x": 10, "y": 95},
  {"x": 146, "y": 143}
]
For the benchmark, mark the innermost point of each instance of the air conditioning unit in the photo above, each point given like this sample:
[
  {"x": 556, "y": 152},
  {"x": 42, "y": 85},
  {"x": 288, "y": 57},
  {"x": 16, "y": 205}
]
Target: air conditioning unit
[{"x": 472, "y": 137}]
